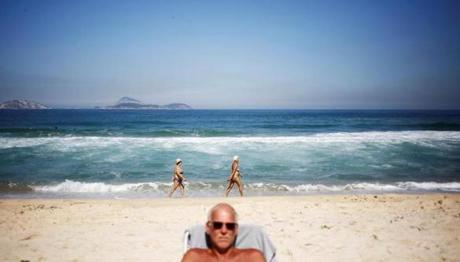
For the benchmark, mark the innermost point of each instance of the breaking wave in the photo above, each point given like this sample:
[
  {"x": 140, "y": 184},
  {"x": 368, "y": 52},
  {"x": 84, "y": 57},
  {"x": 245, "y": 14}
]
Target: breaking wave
[
  {"x": 210, "y": 188},
  {"x": 388, "y": 137}
]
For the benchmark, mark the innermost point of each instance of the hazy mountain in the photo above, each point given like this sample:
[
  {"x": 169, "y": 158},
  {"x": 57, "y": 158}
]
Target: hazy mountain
[
  {"x": 22, "y": 104},
  {"x": 126, "y": 99},
  {"x": 176, "y": 106},
  {"x": 131, "y": 103}
]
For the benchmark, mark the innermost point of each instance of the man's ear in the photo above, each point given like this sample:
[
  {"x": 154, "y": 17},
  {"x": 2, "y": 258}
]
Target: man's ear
[{"x": 207, "y": 227}]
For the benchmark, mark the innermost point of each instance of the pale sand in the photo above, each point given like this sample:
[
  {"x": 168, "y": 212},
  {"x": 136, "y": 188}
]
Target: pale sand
[{"x": 303, "y": 228}]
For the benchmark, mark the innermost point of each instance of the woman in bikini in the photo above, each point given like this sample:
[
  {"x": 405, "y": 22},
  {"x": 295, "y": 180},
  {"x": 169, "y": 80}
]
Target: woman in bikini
[
  {"x": 235, "y": 177},
  {"x": 178, "y": 178}
]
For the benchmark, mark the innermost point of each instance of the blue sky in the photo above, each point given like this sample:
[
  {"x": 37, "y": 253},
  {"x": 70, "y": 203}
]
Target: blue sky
[{"x": 233, "y": 54}]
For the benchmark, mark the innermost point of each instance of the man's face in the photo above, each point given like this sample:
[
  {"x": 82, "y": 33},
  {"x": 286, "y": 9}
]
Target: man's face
[{"x": 222, "y": 235}]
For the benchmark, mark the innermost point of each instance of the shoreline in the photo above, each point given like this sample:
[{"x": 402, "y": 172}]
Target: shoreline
[
  {"x": 233, "y": 195},
  {"x": 158, "y": 189},
  {"x": 330, "y": 227}
]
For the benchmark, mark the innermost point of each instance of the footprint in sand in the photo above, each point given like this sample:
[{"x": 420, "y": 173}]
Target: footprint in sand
[{"x": 29, "y": 237}]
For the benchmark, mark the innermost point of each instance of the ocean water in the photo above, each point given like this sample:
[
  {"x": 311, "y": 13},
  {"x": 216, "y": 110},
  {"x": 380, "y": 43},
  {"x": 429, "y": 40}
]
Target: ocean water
[{"x": 131, "y": 153}]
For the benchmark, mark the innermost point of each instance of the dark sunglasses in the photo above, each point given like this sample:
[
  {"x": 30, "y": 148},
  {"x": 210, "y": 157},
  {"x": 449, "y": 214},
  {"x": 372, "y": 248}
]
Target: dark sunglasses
[{"x": 219, "y": 225}]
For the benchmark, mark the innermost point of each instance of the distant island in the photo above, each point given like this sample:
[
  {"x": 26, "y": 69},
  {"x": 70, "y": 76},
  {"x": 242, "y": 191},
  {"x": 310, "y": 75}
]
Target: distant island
[
  {"x": 131, "y": 103},
  {"x": 123, "y": 103},
  {"x": 22, "y": 104}
]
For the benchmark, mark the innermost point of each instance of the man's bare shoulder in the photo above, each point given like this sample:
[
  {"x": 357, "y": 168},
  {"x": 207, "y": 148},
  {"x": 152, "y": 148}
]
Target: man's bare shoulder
[
  {"x": 197, "y": 254},
  {"x": 250, "y": 254}
]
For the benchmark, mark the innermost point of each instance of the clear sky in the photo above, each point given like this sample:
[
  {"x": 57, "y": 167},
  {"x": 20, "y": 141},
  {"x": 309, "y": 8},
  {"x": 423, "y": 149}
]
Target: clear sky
[{"x": 233, "y": 54}]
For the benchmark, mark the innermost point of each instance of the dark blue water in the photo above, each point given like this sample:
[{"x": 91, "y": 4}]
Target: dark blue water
[
  {"x": 158, "y": 123},
  {"x": 132, "y": 152}
]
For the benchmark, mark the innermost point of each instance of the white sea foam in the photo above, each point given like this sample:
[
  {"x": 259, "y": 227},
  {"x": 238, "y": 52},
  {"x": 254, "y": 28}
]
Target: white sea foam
[
  {"x": 212, "y": 144},
  {"x": 70, "y": 186},
  {"x": 454, "y": 186},
  {"x": 375, "y": 187}
]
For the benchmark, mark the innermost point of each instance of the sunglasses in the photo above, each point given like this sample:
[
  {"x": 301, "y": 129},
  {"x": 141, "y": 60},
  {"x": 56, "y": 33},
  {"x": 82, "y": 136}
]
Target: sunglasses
[{"x": 219, "y": 225}]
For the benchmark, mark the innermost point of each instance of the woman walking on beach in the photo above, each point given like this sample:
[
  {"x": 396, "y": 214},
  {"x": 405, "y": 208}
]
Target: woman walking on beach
[
  {"x": 178, "y": 178},
  {"x": 235, "y": 177}
]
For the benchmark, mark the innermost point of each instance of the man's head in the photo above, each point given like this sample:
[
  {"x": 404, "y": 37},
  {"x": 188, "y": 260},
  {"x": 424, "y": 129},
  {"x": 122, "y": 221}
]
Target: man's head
[
  {"x": 178, "y": 161},
  {"x": 236, "y": 158},
  {"x": 222, "y": 226}
]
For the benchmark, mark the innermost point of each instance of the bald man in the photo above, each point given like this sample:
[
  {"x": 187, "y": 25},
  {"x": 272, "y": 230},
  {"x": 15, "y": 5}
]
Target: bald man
[{"x": 222, "y": 229}]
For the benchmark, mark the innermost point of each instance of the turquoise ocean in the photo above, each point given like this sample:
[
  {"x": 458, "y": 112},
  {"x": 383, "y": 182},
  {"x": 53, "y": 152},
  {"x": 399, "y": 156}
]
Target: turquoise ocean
[{"x": 131, "y": 153}]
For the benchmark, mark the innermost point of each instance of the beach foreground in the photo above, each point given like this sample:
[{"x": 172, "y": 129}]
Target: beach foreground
[{"x": 327, "y": 228}]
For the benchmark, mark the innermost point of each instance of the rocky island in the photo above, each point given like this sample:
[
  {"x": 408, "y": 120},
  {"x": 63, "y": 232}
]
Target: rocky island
[
  {"x": 131, "y": 103},
  {"x": 22, "y": 104}
]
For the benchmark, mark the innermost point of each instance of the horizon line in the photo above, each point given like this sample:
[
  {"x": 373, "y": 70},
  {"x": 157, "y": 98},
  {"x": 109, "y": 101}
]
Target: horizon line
[{"x": 241, "y": 109}]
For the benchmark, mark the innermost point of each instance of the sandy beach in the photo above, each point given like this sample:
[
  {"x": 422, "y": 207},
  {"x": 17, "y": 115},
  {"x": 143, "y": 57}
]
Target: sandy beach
[{"x": 303, "y": 228}]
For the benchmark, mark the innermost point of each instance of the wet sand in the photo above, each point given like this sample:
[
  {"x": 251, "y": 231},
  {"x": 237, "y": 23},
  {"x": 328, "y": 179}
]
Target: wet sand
[{"x": 303, "y": 228}]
